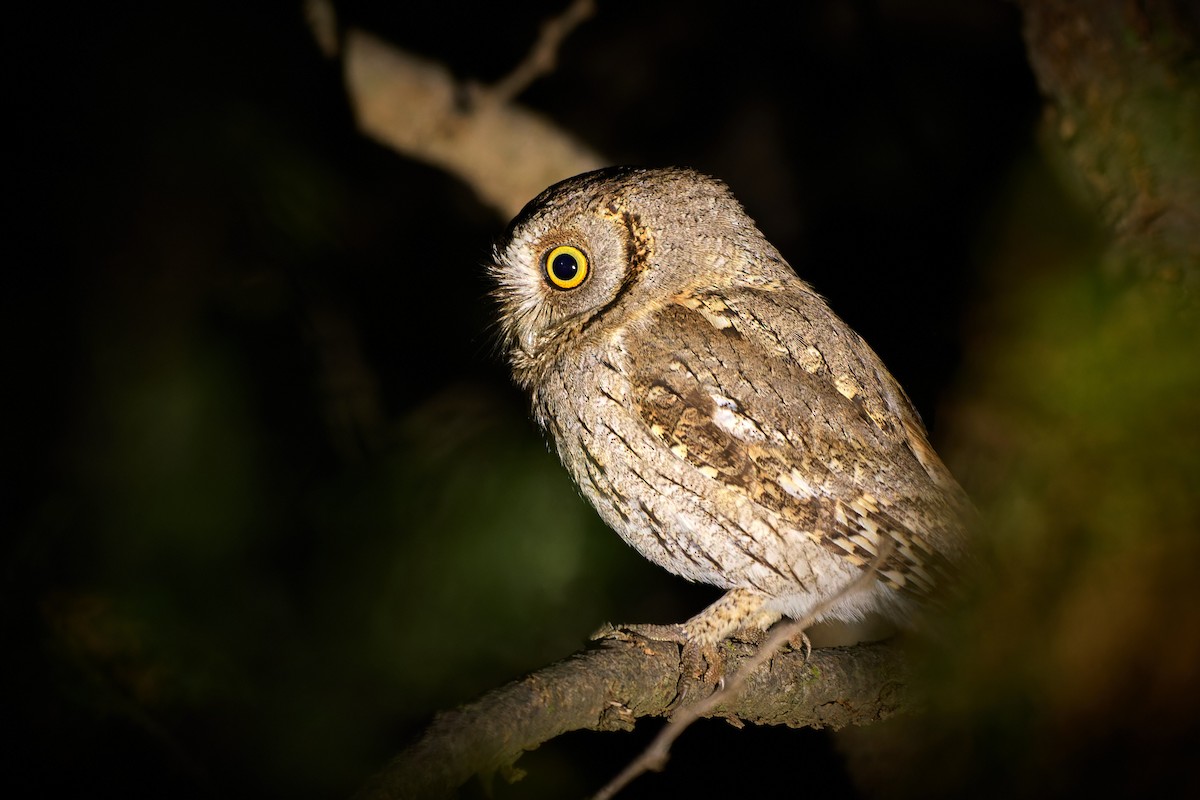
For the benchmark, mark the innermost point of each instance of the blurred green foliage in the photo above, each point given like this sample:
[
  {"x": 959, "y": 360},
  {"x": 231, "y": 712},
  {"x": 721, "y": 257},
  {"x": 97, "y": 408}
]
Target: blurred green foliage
[
  {"x": 323, "y": 614},
  {"x": 1073, "y": 666}
]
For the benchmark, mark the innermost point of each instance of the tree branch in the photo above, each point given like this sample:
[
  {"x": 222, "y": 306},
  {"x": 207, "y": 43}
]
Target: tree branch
[
  {"x": 1123, "y": 116},
  {"x": 506, "y": 153},
  {"x": 608, "y": 686},
  {"x": 544, "y": 55}
]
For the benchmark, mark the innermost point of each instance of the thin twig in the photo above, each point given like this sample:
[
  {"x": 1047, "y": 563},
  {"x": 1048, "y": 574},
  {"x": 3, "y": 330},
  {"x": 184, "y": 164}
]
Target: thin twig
[
  {"x": 655, "y": 756},
  {"x": 322, "y": 21},
  {"x": 543, "y": 57}
]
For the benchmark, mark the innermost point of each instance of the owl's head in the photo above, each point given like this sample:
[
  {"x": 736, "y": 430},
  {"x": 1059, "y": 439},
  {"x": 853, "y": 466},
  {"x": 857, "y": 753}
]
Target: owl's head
[{"x": 608, "y": 246}]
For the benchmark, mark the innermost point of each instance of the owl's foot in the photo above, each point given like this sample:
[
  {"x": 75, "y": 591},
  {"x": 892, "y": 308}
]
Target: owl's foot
[
  {"x": 738, "y": 611},
  {"x": 701, "y": 666},
  {"x": 801, "y": 643},
  {"x": 701, "y": 672},
  {"x": 655, "y": 633},
  {"x": 755, "y": 634}
]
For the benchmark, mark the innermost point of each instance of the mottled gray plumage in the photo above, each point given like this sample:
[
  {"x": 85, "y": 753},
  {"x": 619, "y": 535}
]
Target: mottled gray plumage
[{"x": 712, "y": 408}]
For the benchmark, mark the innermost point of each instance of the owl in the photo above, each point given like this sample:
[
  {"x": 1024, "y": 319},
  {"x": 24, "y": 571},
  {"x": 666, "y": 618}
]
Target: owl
[{"x": 714, "y": 410}]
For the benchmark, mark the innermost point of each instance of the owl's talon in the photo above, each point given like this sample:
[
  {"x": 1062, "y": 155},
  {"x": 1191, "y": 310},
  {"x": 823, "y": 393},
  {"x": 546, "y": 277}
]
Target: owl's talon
[
  {"x": 701, "y": 672},
  {"x": 701, "y": 665},
  {"x": 803, "y": 644}
]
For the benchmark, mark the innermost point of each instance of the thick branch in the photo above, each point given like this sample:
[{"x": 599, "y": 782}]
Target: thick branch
[
  {"x": 506, "y": 153},
  {"x": 608, "y": 686}
]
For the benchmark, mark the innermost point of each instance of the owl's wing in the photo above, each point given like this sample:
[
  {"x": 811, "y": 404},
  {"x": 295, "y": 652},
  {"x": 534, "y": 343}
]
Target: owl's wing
[{"x": 766, "y": 391}]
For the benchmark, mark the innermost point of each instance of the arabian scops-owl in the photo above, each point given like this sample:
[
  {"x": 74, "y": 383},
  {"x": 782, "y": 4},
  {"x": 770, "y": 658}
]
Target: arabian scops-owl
[{"x": 713, "y": 409}]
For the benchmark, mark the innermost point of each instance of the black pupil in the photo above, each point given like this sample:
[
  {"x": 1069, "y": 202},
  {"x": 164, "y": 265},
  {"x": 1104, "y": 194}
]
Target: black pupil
[{"x": 564, "y": 267}]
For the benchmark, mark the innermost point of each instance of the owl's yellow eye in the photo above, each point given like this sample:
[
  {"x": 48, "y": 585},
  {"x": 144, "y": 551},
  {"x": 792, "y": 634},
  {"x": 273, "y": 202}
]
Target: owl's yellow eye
[{"x": 566, "y": 266}]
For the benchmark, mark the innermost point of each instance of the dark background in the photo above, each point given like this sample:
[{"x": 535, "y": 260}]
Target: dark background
[{"x": 272, "y": 499}]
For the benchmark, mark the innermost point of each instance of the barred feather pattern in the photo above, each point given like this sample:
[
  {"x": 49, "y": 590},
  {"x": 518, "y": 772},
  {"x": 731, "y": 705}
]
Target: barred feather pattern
[{"x": 715, "y": 411}]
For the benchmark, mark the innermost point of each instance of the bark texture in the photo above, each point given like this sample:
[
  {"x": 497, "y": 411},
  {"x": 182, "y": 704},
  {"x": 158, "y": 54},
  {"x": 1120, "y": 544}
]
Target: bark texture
[{"x": 609, "y": 686}]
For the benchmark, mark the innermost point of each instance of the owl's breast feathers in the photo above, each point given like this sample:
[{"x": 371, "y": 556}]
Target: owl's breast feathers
[{"x": 765, "y": 391}]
